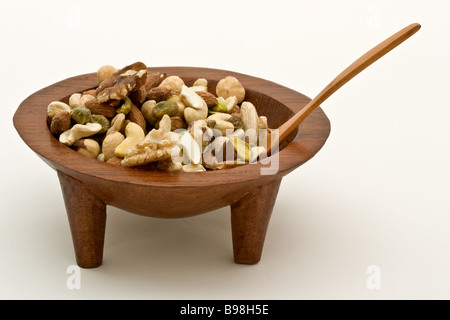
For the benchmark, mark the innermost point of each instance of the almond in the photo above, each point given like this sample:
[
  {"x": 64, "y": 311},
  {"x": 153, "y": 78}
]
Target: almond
[
  {"x": 158, "y": 94},
  {"x": 60, "y": 123},
  {"x": 135, "y": 115},
  {"x": 115, "y": 161},
  {"x": 100, "y": 108},
  {"x": 209, "y": 98}
]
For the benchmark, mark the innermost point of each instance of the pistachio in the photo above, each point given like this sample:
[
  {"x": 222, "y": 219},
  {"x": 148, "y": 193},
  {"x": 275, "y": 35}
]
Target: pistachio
[
  {"x": 81, "y": 114},
  {"x": 224, "y": 127},
  {"x": 180, "y": 104},
  {"x": 125, "y": 108},
  {"x": 102, "y": 120},
  {"x": 219, "y": 107},
  {"x": 226, "y": 105},
  {"x": 147, "y": 111},
  {"x": 165, "y": 107},
  {"x": 242, "y": 148}
]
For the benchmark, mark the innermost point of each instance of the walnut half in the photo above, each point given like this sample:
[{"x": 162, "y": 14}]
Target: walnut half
[
  {"x": 147, "y": 152},
  {"x": 121, "y": 83}
]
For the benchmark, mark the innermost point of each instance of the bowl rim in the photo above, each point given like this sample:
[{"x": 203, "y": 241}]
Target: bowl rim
[{"x": 29, "y": 121}]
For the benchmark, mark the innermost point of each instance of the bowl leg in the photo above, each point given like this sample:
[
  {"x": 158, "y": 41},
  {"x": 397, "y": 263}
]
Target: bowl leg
[
  {"x": 87, "y": 219},
  {"x": 249, "y": 221}
]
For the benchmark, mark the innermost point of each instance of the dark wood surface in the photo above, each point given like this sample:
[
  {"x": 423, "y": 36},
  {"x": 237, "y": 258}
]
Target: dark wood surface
[{"x": 171, "y": 195}]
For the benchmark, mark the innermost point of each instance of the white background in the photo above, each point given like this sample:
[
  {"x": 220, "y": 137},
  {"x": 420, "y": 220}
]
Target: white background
[{"x": 376, "y": 194}]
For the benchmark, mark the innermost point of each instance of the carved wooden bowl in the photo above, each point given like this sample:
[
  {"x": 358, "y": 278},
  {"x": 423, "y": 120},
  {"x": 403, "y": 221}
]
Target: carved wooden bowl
[{"x": 89, "y": 185}]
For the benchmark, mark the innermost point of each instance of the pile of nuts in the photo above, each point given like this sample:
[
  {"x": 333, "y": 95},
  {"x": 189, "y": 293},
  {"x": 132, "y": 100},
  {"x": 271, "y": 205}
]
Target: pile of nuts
[{"x": 134, "y": 118}]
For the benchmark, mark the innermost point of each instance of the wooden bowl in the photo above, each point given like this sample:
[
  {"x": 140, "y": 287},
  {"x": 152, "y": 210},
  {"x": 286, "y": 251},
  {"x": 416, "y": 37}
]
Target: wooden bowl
[{"x": 89, "y": 185}]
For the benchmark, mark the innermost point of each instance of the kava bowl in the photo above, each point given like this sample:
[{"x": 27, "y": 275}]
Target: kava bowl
[{"x": 90, "y": 185}]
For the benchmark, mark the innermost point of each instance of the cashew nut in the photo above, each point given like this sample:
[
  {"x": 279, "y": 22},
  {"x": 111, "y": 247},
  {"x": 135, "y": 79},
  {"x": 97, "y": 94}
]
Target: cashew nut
[
  {"x": 224, "y": 127},
  {"x": 221, "y": 149},
  {"x": 180, "y": 104},
  {"x": 134, "y": 135},
  {"x": 219, "y": 116},
  {"x": 191, "y": 150},
  {"x": 251, "y": 120},
  {"x": 196, "y": 108},
  {"x": 201, "y": 132},
  {"x": 117, "y": 123},
  {"x": 78, "y": 131},
  {"x": 110, "y": 144},
  {"x": 156, "y": 135},
  {"x": 256, "y": 152}
]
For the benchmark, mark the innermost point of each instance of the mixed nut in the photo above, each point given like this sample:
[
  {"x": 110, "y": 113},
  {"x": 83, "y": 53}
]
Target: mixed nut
[{"x": 136, "y": 117}]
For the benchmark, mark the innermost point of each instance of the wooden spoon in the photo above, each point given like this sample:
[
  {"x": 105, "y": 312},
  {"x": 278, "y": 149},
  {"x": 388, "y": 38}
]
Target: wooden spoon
[{"x": 356, "y": 67}]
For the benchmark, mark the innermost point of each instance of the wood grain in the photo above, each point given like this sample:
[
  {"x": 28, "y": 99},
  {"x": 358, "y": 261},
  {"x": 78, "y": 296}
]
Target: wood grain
[
  {"x": 87, "y": 220},
  {"x": 250, "y": 218},
  {"x": 88, "y": 185}
]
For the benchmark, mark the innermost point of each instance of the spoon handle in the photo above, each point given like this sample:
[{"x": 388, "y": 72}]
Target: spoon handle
[{"x": 351, "y": 71}]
